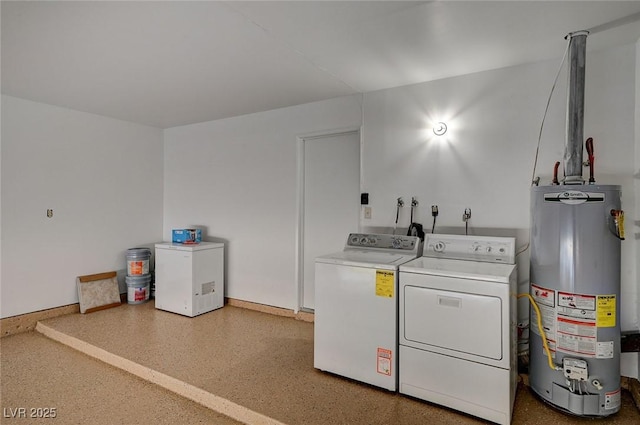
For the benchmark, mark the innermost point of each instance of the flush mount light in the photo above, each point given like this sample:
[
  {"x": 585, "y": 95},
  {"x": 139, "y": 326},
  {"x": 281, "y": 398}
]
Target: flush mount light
[{"x": 439, "y": 129}]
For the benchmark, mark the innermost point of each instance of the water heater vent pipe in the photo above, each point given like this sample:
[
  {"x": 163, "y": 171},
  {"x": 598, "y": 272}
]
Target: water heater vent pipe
[{"x": 575, "y": 107}]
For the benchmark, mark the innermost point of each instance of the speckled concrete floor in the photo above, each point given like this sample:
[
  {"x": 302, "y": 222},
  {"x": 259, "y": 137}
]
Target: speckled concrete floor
[
  {"x": 55, "y": 384},
  {"x": 262, "y": 363}
]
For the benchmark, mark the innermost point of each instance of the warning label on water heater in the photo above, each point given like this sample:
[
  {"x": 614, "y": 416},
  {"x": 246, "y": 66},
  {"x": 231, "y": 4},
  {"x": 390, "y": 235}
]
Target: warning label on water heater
[
  {"x": 577, "y": 301},
  {"x": 577, "y": 336},
  {"x": 571, "y": 321},
  {"x": 546, "y": 301},
  {"x": 606, "y": 311},
  {"x": 612, "y": 400}
]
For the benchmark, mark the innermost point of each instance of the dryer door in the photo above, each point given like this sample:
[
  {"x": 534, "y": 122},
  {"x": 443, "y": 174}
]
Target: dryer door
[{"x": 452, "y": 322}]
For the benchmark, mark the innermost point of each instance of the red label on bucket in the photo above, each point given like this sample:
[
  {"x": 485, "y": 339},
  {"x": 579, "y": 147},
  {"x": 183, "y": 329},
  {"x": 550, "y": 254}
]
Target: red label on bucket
[{"x": 140, "y": 294}]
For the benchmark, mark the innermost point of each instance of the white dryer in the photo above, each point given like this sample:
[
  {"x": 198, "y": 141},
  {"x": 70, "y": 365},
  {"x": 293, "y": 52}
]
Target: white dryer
[
  {"x": 356, "y": 307},
  {"x": 458, "y": 325}
]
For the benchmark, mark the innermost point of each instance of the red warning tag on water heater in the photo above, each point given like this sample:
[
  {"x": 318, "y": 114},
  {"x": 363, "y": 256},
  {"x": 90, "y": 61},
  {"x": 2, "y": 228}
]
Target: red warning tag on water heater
[{"x": 612, "y": 400}]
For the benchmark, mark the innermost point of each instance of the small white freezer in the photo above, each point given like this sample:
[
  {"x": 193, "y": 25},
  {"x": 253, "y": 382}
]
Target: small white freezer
[{"x": 189, "y": 278}]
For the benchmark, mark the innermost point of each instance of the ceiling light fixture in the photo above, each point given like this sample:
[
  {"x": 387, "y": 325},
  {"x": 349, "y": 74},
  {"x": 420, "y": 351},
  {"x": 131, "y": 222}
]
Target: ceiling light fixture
[{"x": 440, "y": 128}]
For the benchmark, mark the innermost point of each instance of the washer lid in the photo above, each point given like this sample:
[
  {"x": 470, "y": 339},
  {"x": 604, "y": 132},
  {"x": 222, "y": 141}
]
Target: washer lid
[
  {"x": 366, "y": 258},
  {"x": 463, "y": 269}
]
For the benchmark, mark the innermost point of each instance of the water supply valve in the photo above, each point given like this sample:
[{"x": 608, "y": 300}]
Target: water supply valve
[{"x": 466, "y": 216}]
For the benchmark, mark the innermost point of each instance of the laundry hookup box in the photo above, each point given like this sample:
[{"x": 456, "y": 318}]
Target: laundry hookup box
[{"x": 186, "y": 236}]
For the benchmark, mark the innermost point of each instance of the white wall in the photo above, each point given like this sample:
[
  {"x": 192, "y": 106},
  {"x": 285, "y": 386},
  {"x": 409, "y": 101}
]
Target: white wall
[
  {"x": 236, "y": 178},
  {"x": 102, "y": 177}
]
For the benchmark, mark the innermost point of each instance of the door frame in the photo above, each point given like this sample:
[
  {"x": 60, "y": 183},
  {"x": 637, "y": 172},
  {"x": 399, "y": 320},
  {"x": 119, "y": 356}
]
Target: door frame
[{"x": 300, "y": 143}]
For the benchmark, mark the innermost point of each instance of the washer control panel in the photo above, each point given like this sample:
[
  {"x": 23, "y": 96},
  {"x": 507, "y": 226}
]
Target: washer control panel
[
  {"x": 381, "y": 241},
  {"x": 477, "y": 248}
]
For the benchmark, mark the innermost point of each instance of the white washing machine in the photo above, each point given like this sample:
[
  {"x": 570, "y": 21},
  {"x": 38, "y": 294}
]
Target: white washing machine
[
  {"x": 458, "y": 325},
  {"x": 356, "y": 308}
]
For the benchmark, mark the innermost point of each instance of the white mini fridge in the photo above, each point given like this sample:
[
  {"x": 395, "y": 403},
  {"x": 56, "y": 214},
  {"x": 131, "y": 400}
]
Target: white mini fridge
[{"x": 189, "y": 278}]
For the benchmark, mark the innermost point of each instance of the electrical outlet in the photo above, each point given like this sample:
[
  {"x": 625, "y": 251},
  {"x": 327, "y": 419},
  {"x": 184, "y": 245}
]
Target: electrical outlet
[
  {"x": 367, "y": 213},
  {"x": 49, "y": 213}
]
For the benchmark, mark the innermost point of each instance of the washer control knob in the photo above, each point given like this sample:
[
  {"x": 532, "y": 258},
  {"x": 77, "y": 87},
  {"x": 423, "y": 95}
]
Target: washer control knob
[
  {"x": 439, "y": 246},
  {"x": 488, "y": 249}
]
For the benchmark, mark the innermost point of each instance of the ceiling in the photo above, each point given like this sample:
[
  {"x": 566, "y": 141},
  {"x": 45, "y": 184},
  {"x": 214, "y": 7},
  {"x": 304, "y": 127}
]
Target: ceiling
[{"x": 166, "y": 64}]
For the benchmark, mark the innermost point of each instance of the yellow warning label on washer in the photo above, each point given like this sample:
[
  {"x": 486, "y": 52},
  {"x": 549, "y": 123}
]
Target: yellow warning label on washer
[
  {"x": 606, "y": 311},
  {"x": 385, "y": 283}
]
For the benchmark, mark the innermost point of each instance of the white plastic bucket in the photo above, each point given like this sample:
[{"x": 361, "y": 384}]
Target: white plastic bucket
[
  {"x": 138, "y": 261},
  {"x": 138, "y": 288}
]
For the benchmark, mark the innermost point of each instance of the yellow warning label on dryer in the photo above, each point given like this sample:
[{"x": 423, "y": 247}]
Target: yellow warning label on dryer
[
  {"x": 606, "y": 311},
  {"x": 385, "y": 283}
]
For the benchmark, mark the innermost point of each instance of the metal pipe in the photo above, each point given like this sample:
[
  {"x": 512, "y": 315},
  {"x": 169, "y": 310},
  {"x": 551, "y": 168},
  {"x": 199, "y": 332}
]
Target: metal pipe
[{"x": 575, "y": 108}]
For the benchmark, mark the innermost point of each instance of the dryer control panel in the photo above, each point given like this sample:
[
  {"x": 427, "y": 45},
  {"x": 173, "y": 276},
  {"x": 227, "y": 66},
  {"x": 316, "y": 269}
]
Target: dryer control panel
[
  {"x": 383, "y": 242},
  {"x": 477, "y": 248}
]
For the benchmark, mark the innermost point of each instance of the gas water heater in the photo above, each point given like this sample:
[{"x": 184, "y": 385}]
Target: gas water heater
[
  {"x": 575, "y": 281},
  {"x": 576, "y": 229}
]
